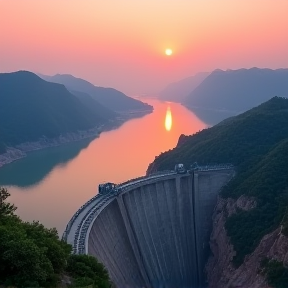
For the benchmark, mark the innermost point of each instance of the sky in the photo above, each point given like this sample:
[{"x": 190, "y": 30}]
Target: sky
[{"x": 121, "y": 43}]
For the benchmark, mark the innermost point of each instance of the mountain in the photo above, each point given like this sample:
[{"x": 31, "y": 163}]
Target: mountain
[
  {"x": 109, "y": 97},
  {"x": 226, "y": 93},
  {"x": 250, "y": 225},
  {"x": 178, "y": 91},
  {"x": 93, "y": 105},
  {"x": 234, "y": 140},
  {"x": 32, "y": 108}
]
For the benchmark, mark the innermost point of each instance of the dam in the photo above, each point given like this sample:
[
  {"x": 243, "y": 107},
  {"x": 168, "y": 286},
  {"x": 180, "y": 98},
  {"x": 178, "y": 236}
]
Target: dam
[{"x": 152, "y": 231}]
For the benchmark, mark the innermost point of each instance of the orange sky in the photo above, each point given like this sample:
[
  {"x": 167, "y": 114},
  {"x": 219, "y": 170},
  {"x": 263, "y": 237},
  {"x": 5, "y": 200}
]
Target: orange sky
[{"x": 121, "y": 43}]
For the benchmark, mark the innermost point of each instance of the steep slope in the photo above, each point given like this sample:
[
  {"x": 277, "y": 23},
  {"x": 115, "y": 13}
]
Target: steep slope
[
  {"x": 178, "y": 91},
  {"x": 254, "y": 203},
  {"x": 93, "y": 105},
  {"x": 236, "y": 141},
  {"x": 109, "y": 97},
  {"x": 250, "y": 223},
  {"x": 31, "y": 108},
  {"x": 263, "y": 268},
  {"x": 226, "y": 93}
]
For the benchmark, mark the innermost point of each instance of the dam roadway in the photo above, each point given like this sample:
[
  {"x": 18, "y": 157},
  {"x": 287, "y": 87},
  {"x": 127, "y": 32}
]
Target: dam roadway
[{"x": 152, "y": 231}]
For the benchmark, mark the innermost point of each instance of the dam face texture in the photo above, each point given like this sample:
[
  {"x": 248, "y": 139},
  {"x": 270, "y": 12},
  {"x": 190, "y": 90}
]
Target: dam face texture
[{"x": 157, "y": 233}]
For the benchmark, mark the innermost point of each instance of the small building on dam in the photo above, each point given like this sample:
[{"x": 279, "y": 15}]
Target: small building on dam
[{"x": 152, "y": 231}]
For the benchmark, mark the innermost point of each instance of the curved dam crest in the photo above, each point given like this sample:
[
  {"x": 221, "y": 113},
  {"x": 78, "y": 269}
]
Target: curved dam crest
[{"x": 154, "y": 232}]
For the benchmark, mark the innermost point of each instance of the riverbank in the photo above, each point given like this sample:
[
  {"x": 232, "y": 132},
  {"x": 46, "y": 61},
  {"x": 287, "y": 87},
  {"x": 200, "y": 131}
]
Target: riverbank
[{"x": 20, "y": 151}]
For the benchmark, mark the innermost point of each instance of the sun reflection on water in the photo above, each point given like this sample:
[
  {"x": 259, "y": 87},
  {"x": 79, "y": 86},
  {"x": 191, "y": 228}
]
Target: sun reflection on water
[{"x": 168, "y": 119}]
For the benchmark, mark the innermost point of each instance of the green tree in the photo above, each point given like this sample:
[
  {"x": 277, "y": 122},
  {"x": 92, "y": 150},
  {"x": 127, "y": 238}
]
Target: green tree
[
  {"x": 5, "y": 208},
  {"x": 275, "y": 272},
  {"x": 84, "y": 268},
  {"x": 29, "y": 252},
  {"x": 34, "y": 256}
]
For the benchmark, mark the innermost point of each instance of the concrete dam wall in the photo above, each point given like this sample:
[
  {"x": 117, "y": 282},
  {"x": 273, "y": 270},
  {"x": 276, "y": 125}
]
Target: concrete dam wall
[{"x": 156, "y": 232}]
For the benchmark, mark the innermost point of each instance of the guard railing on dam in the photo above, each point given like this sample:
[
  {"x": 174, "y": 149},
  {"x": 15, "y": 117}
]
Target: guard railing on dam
[
  {"x": 97, "y": 197},
  {"x": 80, "y": 235},
  {"x": 156, "y": 232},
  {"x": 82, "y": 228},
  {"x": 70, "y": 223},
  {"x": 99, "y": 201}
]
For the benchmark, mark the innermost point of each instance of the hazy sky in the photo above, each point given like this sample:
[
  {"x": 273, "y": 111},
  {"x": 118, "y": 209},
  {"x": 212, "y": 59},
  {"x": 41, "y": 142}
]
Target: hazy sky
[{"x": 121, "y": 43}]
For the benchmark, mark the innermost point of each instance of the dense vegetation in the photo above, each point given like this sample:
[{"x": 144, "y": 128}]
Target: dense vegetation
[
  {"x": 276, "y": 274},
  {"x": 33, "y": 256},
  {"x": 226, "y": 93},
  {"x": 256, "y": 142},
  {"x": 285, "y": 223},
  {"x": 239, "y": 140},
  {"x": 268, "y": 182},
  {"x": 32, "y": 108},
  {"x": 87, "y": 271}
]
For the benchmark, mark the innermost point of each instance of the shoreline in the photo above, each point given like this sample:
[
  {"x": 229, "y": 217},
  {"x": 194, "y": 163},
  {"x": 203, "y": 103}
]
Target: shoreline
[{"x": 20, "y": 151}]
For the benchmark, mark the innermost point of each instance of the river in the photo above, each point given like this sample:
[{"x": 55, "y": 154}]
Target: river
[{"x": 51, "y": 184}]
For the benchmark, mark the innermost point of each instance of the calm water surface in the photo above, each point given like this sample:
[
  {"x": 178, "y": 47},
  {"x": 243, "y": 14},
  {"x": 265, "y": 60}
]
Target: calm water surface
[{"x": 51, "y": 184}]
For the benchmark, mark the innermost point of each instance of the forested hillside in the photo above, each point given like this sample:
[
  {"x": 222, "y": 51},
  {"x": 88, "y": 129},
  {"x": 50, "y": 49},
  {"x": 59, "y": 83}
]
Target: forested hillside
[
  {"x": 109, "y": 97},
  {"x": 31, "y": 108},
  {"x": 256, "y": 142},
  {"x": 93, "y": 105},
  {"x": 237, "y": 140}
]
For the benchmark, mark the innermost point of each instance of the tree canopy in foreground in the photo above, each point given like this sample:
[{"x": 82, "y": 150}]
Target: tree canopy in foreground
[{"x": 34, "y": 256}]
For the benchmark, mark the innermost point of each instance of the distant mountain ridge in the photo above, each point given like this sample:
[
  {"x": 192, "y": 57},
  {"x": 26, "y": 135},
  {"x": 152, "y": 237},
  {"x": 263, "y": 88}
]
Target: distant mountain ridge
[
  {"x": 32, "y": 108},
  {"x": 179, "y": 90},
  {"x": 108, "y": 97},
  {"x": 226, "y": 93}
]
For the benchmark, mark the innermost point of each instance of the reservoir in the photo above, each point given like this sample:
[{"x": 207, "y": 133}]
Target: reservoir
[{"x": 49, "y": 185}]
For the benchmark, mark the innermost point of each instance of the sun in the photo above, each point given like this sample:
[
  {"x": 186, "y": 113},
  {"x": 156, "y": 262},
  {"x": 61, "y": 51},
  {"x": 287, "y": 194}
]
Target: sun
[{"x": 168, "y": 52}]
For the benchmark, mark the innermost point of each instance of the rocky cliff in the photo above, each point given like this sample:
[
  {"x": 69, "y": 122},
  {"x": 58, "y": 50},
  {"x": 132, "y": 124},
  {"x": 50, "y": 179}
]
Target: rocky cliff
[{"x": 221, "y": 272}]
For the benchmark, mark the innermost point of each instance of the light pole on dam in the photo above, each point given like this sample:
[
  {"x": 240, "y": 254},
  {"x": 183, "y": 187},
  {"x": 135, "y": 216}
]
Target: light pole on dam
[{"x": 153, "y": 231}]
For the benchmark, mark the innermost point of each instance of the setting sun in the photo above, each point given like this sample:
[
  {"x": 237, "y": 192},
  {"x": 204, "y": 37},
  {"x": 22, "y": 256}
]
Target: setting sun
[
  {"x": 168, "y": 119},
  {"x": 168, "y": 52}
]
